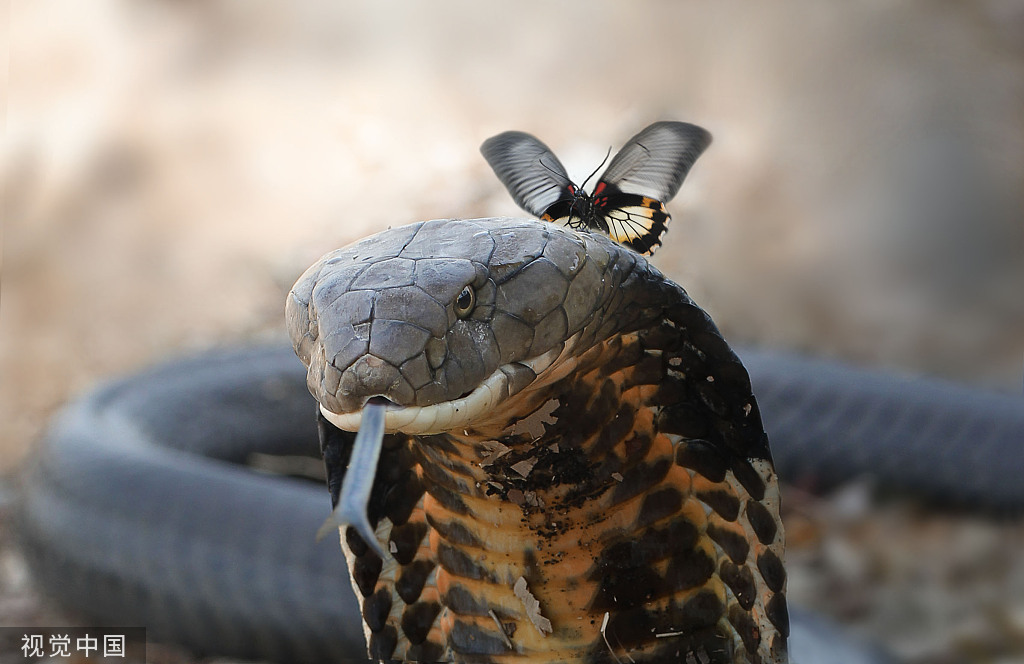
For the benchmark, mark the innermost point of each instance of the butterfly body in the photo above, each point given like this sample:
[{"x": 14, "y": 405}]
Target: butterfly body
[
  {"x": 608, "y": 209},
  {"x": 628, "y": 202}
]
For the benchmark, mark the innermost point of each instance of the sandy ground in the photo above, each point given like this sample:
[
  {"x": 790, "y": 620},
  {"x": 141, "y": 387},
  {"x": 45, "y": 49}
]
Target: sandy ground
[{"x": 170, "y": 168}]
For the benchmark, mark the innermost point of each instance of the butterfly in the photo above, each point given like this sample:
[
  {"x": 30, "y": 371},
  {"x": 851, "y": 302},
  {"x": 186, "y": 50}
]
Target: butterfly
[{"x": 628, "y": 202}]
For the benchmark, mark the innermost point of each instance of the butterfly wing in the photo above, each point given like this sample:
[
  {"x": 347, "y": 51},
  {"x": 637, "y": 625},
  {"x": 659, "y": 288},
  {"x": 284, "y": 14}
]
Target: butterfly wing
[
  {"x": 629, "y": 199},
  {"x": 631, "y": 219},
  {"x": 529, "y": 170},
  {"x": 655, "y": 162}
]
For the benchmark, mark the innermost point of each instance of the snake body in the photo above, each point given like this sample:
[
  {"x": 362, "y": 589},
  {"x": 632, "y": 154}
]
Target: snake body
[
  {"x": 138, "y": 507},
  {"x": 576, "y": 468}
]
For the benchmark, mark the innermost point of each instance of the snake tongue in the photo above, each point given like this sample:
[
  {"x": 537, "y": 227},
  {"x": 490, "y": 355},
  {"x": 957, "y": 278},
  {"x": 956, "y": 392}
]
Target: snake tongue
[{"x": 358, "y": 483}]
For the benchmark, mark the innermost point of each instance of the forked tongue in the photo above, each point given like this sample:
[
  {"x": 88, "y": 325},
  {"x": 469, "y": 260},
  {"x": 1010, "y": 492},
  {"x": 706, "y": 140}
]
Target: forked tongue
[{"x": 362, "y": 469}]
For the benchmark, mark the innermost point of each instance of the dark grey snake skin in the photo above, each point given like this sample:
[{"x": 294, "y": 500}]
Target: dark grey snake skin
[{"x": 132, "y": 512}]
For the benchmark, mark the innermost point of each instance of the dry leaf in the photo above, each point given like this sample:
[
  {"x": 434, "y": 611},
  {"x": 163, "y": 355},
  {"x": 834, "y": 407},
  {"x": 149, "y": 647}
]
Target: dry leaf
[
  {"x": 525, "y": 466},
  {"x": 533, "y": 499},
  {"x": 532, "y": 606},
  {"x": 533, "y": 424},
  {"x": 496, "y": 450}
]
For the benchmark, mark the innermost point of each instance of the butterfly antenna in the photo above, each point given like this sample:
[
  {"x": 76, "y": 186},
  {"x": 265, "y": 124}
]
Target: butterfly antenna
[
  {"x": 548, "y": 168},
  {"x": 573, "y": 200},
  {"x": 608, "y": 154}
]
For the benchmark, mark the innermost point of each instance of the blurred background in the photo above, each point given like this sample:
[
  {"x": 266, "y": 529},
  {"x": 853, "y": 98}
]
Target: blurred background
[{"x": 170, "y": 168}]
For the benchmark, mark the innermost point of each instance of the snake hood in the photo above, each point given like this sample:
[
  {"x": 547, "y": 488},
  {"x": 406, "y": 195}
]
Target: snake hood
[
  {"x": 575, "y": 468},
  {"x": 445, "y": 318}
]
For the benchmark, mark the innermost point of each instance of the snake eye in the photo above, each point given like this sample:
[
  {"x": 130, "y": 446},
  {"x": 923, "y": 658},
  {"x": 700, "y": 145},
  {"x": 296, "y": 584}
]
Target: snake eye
[{"x": 465, "y": 302}]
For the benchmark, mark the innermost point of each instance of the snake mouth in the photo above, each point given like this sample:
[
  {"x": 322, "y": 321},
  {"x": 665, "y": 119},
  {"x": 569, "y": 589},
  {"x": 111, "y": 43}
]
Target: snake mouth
[{"x": 506, "y": 381}]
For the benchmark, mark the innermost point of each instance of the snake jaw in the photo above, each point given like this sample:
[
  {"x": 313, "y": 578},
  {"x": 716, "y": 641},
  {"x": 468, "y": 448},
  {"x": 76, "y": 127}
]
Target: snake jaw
[
  {"x": 427, "y": 419},
  {"x": 506, "y": 382}
]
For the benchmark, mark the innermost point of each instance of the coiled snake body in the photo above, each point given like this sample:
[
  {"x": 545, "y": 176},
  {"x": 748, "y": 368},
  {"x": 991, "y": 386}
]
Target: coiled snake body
[{"x": 575, "y": 469}]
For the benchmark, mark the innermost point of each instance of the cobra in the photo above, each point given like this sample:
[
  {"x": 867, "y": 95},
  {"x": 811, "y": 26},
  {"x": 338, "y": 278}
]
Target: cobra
[{"x": 574, "y": 468}]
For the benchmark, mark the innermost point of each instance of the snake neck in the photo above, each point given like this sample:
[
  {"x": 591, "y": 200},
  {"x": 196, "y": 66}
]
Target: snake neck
[{"x": 574, "y": 525}]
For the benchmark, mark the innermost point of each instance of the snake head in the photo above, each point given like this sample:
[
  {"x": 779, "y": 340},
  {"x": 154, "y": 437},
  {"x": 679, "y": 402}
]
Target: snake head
[{"x": 443, "y": 316}]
